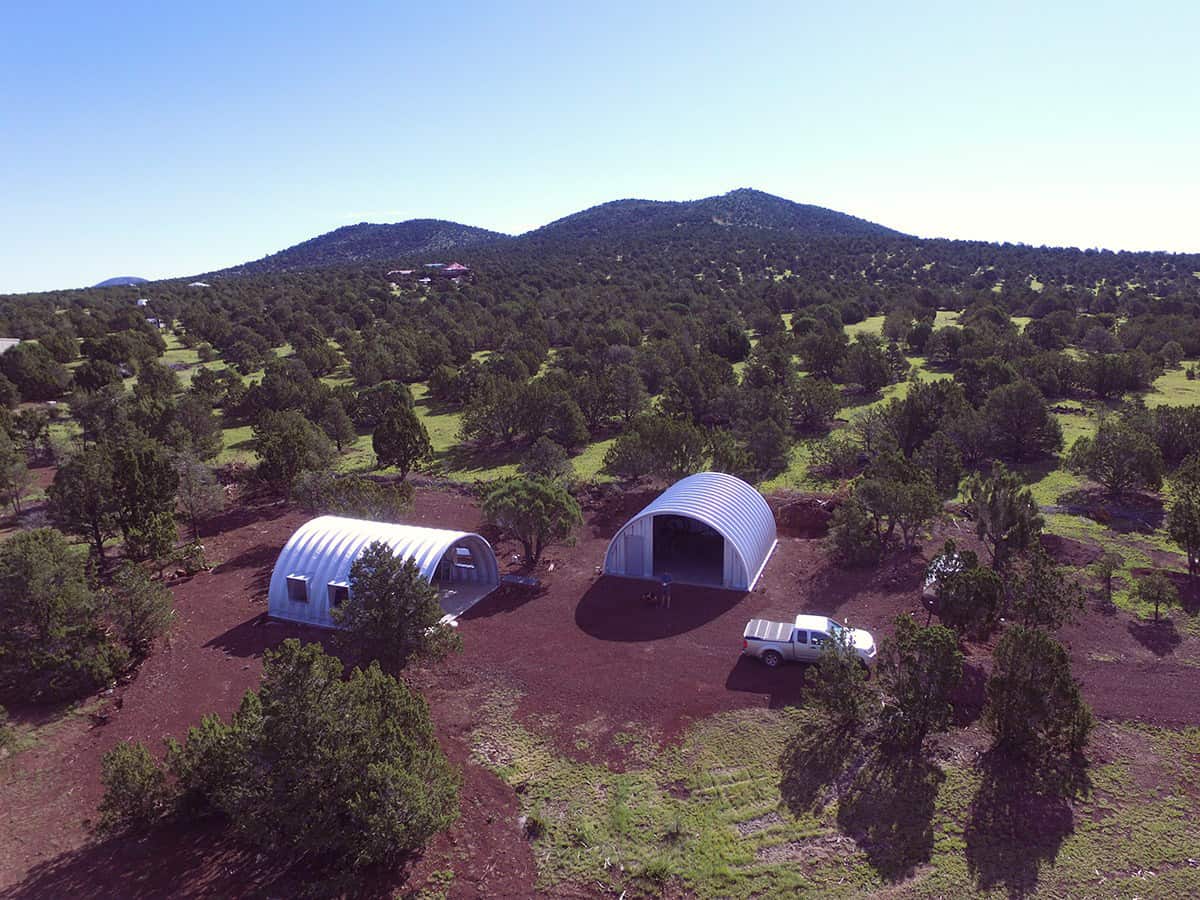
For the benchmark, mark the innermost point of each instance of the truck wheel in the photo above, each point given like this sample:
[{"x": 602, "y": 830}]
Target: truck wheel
[
  {"x": 771, "y": 659},
  {"x": 866, "y": 670}
]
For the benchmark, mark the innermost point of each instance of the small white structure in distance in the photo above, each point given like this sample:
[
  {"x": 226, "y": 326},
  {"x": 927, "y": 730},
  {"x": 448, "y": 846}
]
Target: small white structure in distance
[
  {"x": 708, "y": 529},
  {"x": 312, "y": 574}
]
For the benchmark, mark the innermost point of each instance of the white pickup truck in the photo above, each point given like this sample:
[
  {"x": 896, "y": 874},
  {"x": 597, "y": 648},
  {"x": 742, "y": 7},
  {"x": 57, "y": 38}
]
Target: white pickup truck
[{"x": 802, "y": 640}]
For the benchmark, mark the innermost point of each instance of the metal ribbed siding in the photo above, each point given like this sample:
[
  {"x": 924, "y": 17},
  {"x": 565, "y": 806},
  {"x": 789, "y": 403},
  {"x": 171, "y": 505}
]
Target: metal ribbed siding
[
  {"x": 325, "y": 548},
  {"x": 726, "y": 504}
]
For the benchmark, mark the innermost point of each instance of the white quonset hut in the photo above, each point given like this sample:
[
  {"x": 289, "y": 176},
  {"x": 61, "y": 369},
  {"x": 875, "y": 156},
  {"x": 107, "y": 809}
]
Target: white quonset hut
[
  {"x": 709, "y": 529},
  {"x": 312, "y": 574}
]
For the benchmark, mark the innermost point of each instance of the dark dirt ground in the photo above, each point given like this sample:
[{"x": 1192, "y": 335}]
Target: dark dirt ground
[{"x": 586, "y": 656}]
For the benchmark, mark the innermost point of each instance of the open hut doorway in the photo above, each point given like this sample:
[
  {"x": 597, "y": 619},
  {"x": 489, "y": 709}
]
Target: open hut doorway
[{"x": 687, "y": 549}]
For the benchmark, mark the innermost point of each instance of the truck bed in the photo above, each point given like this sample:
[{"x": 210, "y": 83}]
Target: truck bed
[{"x": 766, "y": 630}]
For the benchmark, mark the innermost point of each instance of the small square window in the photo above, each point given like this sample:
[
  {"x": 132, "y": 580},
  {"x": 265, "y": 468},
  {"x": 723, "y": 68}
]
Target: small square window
[
  {"x": 339, "y": 593},
  {"x": 297, "y": 588}
]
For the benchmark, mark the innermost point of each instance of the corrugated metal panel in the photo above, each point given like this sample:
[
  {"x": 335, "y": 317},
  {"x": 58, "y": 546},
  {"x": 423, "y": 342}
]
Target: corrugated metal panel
[
  {"x": 726, "y": 504},
  {"x": 324, "y": 549}
]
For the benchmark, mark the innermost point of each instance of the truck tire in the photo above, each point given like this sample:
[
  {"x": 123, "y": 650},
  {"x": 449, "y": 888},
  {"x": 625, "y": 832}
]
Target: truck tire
[{"x": 771, "y": 659}]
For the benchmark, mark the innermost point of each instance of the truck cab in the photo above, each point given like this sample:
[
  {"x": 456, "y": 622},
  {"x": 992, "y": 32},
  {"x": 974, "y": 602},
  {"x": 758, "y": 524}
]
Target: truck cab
[{"x": 802, "y": 640}]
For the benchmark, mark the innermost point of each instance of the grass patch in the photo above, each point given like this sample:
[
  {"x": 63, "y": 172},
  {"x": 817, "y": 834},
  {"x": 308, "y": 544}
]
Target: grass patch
[
  {"x": 870, "y": 325},
  {"x": 706, "y": 817},
  {"x": 946, "y": 317},
  {"x": 1173, "y": 388}
]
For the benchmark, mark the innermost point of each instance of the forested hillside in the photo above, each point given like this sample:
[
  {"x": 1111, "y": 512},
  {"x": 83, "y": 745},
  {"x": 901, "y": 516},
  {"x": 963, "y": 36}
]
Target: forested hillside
[{"x": 366, "y": 243}]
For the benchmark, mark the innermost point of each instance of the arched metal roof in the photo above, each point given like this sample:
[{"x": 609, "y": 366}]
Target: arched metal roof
[
  {"x": 726, "y": 504},
  {"x": 323, "y": 550}
]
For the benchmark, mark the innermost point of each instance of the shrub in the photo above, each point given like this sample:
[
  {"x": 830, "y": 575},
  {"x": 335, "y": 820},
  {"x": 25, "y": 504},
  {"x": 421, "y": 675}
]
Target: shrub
[
  {"x": 348, "y": 770},
  {"x": 141, "y": 609},
  {"x": 1120, "y": 457},
  {"x": 839, "y": 687},
  {"x": 135, "y": 788},
  {"x": 834, "y": 457},
  {"x": 53, "y": 645},
  {"x": 968, "y": 600},
  {"x": 852, "y": 540},
  {"x": 548, "y": 460},
  {"x": 352, "y": 495}
]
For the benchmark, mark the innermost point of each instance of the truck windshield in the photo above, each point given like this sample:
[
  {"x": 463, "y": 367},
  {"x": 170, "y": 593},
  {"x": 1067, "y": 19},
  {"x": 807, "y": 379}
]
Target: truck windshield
[{"x": 836, "y": 630}]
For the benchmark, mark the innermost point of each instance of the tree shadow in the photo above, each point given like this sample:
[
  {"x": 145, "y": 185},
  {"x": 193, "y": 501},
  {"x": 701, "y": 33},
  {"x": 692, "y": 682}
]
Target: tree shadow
[
  {"x": 888, "y": 809},
  {"x": 245, "y": 512},
  {"x": 252, "y": 637},
  {"x": 262, "y": 558},
  {"x": 505, "y": 599},
  {"x": 178, "y": 859},
  {"x": 468, "y": 458},
  {"x": 833, "y": 585},
  {"x": 1160, "y": 638},
  {"x": 970, "y": 696},
  {"x": 1019, "y": 818},
  {"x": 783, "y": 686},
  {"x": 171, "y": 861},
  {"x": 1142, "y": 513},
  {"x": 613, "y": 609},
  {"x": 815, "y": 763}
]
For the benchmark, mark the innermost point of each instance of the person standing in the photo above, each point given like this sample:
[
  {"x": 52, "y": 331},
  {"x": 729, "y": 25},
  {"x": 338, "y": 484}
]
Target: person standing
[{"x": 666, "y": 590}]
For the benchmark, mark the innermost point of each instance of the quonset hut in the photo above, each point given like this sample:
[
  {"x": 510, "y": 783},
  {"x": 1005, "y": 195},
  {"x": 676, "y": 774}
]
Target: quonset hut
[
  {"x": 708, "y": 529},
  {"x": 312, "y": 574}
]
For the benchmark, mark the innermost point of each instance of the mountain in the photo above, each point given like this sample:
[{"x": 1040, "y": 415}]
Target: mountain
[
  {"x": 619, "y": 223},
  {"x": 121, "y": 281},
  {"x": 743, "y": 208},
  {"x": 370, "y": 243}
]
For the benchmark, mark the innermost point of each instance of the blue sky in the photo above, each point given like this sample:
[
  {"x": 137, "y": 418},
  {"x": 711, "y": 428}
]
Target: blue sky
[{"x": 168, "y": 139}]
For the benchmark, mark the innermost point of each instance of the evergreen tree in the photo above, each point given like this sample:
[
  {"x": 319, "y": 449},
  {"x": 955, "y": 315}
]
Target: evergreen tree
[
  {"x": 392, "y": 613},
  {"x": 532, "y": 511},
  {"x": 140, "y": 608},
  {"x": 401, "y": 441},
  {"x": 83, "y": 497},
  {"x": 919, "y": 668},
  {"x": 1120, "y": 458},
  {"x": 1006, "y": 516},
  {"x": 1034, "y": 707}
]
